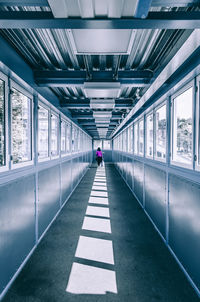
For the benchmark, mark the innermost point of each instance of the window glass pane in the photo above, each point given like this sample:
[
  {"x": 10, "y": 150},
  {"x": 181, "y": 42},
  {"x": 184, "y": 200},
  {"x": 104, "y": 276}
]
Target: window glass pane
[
  {"x": 124, "y": 141},
  {"x": 54, "y": 135},
  {"x": 43, "y": 132},
  {"x": 149, "y": 134},
  {"x": 63, "y": 137},
  {"x": 97, "y": 143},
  {"x": 182, "y": 128},
  {"x": 68, "y": 137},
  {"x": 136, "y": 138},
  {"x": 161, "y": 133},
  {"x": 21, "y": 127},
  {"x": 106, "y": 144},
  {"x": 141, "y": 137},
  {"x": 130, "y": 139},
  {"x": 2, "y": 124},
  {"x": 73, "y": 138}
]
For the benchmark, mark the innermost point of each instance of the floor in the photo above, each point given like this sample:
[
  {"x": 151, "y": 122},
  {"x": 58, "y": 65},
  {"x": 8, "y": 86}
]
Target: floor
[{"x": 101, "y": 247}]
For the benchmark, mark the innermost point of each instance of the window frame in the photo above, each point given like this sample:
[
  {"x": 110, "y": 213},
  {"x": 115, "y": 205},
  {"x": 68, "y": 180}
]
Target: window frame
[
  {"x": 146, "y": 117},
  {"x": 141, "y": 119},
  {"x": 173, "y": 96},
  {"x": 136, "y": 153},
  {"x": 52, "y": 112},
  {"x": 162, "y": 103},
  {"x": 62, "y": 154},
  {"x": 14, "y": 85},
  {"x": 4, "y": 168},
  {"x": 197, "y": 117},
  {"x": 40, "y": 103}
]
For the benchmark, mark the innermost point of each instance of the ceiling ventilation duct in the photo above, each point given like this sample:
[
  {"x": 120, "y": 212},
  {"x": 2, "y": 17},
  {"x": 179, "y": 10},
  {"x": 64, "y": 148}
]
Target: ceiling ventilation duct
[{"x": 102, "y": 90}]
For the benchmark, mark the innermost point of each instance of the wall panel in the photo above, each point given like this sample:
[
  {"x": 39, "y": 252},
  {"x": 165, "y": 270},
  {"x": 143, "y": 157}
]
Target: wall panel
[
  {"x": 138, "y": 180},
  {"x": 49, "y": 196},
  {"x": 184, "y": 224},
  {"x": 17, "y": 225},
  {"x": 65, "y": 179},
  {"x": 155, "y": 196}
]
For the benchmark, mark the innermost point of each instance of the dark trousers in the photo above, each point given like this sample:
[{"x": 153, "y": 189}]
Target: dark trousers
[{"x": 99, "y": 160}]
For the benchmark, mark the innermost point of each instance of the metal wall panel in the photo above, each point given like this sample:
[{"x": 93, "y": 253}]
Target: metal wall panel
[
  {"x": 138, "y": 180},
  {"x": 124, "y": 168},
  {"x": 49, "y": 196},
  {"x": 184, "y": 224},
  {"x": 17, "y": 225},
  {"x": 155, "y": 196},
  {"x": 66, "y": 179},
  {"x": 129, "y": 171}
]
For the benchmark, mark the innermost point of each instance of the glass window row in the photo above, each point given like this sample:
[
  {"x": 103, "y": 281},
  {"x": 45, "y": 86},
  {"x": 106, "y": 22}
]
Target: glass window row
[
  {"x": 55, "y": 135},
  {"x": 147, "y": 136}
]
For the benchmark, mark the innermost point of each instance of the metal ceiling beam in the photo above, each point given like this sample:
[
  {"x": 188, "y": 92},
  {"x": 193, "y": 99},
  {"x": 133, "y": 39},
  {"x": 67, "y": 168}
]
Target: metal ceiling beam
[
  {"x": 174, "y": 3},
  {"x": 185, "y": 60},
  {"x": 65, "y": 78},
  {"x": 24, "y": 3},
  {"x": 142, "y": 8},
  {"x": 154, "y": 20},
  {"x": 155, "y": 3}
]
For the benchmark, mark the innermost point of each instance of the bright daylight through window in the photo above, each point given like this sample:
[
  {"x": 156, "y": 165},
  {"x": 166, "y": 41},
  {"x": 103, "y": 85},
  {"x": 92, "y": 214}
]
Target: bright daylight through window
[
  {"x": 136, "y": 138},
  {"x": 21, "y": 127},
  {"x": 63, "y": 137},
  {"x": 43, "y": 132},
  {"x": 2, "y": 123},
  {"x": 149, "y": 135},
  {"x": 54, "y": 135},
  {"x": 182, "y": 127},
  {"x": 161, "y": 133},
  {"x": 141, "y": 137}
]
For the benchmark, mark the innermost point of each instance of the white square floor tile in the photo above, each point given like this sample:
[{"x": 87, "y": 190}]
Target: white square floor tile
[
  {"x": 85, "y": 279},
  {"x": 97, "y": 225},
  {"x": 99, "y": 193},
  {"x": 101, "y": 184},
  {"x": 99, "y": 188},
  {"x": 98, "y": 200},
  {"x": 98, "y": 211},
  {"x": 95, "y": 249}
]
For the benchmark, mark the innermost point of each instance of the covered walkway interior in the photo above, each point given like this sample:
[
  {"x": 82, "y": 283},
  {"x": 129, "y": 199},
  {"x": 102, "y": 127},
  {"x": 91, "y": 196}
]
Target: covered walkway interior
[{"x": 101, "y": 247}]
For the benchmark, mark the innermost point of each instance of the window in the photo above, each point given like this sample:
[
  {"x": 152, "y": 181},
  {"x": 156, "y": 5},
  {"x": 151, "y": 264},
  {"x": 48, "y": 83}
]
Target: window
[
  {"x": 149, "y": 135},
  {"x": 198, "y": 128},
  {"x": 97, "y": 143},
  {"x": 130, "y": 139},
  {"x": 136, "y": 138},
  {"x": 68, "y": 134},
  {"x": 43, "y": 132},
  {"x": 124, "y": 138},
  {"x": 2, "y": 125},
  {"x": 182, "y": 128},
  {"x": 106, "y": 145},
  {"x": 63, "y": 137},
  {"x": 54, "y": 135},
  {"x": 141, "y": 137},
  {"x": 73, "y": 138},
  {"x": 160, "y": 133},
  {"x": 21, "y": 127},
  {"x": 80, "y": 141}
]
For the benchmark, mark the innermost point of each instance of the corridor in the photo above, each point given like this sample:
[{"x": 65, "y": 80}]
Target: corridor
[{"x": 101, "y": 247}]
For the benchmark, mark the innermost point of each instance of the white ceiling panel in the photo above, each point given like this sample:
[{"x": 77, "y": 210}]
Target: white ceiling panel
[
  {"x": 102, "y": 90},
  {"x": 101, "y": 41}
]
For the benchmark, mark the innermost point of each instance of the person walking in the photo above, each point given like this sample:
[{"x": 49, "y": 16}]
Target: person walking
[{"x": 99, "y": 156}]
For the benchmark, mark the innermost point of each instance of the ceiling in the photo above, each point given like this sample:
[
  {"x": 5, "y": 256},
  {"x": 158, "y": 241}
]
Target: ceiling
[{"x": 98, "y": 57}]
